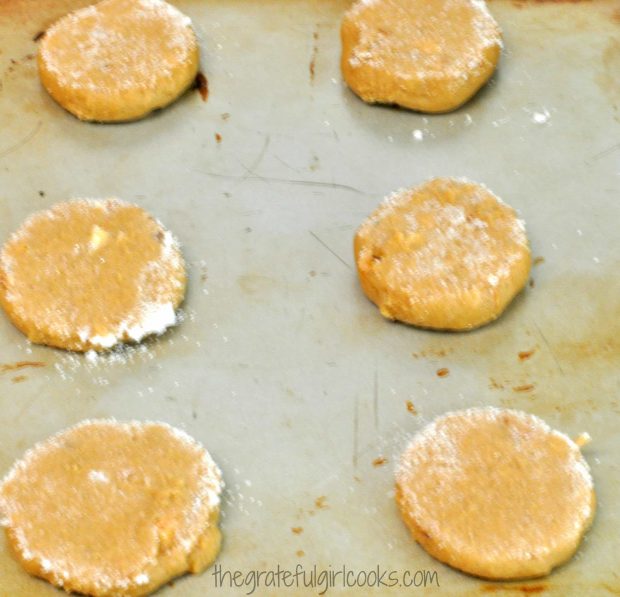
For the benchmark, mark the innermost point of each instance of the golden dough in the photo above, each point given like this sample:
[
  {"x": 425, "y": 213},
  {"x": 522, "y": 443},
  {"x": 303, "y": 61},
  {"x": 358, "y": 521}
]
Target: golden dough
[
  {"x": 113, "y": 509},
  {"x": 118, "y": 60},
  {"x": 426, "y": 55},
  {"x": 446, "y": 255},
  {"x": 495, "y": 493},
  {"x": 88, "y": 274}
]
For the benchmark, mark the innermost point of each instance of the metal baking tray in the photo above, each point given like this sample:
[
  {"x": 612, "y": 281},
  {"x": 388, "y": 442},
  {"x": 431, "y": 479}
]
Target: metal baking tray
[{"x": 302, "y": 392}]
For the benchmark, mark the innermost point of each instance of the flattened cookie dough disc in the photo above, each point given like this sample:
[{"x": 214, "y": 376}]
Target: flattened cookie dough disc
[
  {"x": 426, "y": 55},
  {"x": 88, "y": 274},
  {"x": 118, "y": 60},
  {"x": 113, "y": 509},
  {"x": 495, "y": 493},
  {"x": 445, "y": 255}
]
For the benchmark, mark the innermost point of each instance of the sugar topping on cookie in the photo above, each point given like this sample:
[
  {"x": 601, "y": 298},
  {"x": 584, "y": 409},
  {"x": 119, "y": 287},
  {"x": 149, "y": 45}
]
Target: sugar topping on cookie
[
  {"x": 88, "y": 274},
  {"x": 427, "y": 55},
  {"x": 495, "y": 492},
  {"x": 447, "y": 254},
  {"x": 118, "y": 60},
  {"x": 104, "y": 507}
]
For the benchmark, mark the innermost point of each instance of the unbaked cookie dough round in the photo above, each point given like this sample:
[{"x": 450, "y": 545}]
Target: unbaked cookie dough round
[
  {"x": 89, "y": 274},
  {"x": 113, "y": 509},
  {"x": 118, "y": 60},
  {"x": 446, "y": 255},
  {"x": 495, "y": 493},
  {"x": 426, "y": 55}
]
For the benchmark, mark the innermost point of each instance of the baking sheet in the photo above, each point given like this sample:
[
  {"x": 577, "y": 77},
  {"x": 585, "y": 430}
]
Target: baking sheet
[{"x": 281, "y": 367}]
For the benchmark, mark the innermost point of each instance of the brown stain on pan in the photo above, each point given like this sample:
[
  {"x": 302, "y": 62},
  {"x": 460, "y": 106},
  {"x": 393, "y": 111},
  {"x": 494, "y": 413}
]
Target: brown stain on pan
[
  {"x": 20, "y": 365},
  {"x": 608, "y": 78},
  {"x": 523, "y": 589},
  {"x": 528, "y": 387},
  {"x": 524, "y": 355},
  {"x": 315, "y": 51},
  {"x": 202, "y": 85},
  {"x": 576, "y": 329},
  {"x": 588, "y": 307}
]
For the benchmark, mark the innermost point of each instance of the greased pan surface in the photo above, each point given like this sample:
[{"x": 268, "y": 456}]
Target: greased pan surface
[{"x": 281, "y": 366}]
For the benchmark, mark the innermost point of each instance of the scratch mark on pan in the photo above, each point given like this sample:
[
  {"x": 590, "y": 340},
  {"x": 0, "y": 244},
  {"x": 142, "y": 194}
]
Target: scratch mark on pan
[
  {"x": 596, "y": 157},
  {"x": 356, "y": 425},
  {"x": 308, "y": 183},
  {"x": 259, "y": 158},
  {"x": 286, "y": 164},
  {"x": 544, "y": 339},
  {"x": 23, "y": 141},
  {"x": 376, "y": 398},
  {"x": 330, "y": 250}
]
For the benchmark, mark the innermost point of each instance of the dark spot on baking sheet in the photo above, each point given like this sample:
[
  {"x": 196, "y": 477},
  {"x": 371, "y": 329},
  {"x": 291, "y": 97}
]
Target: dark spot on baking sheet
[
  {"x": 297, "y": 530},
  {"x": 528, "y": 387},
  {"x": 431, "y": 352},
  {"x": 38, "y": 36},
  {"x": 202, "y": 85},
  {"x": 312, "y": 273},
  {"x": 525, "y": 589},
  {"x": 315, "y": 51},
  {"x": 300, "y": 553},
  {"x": 41, "y": 193},
  {"x": 524, "y": 355},
  {"x": 411, "y": 407},
  {"x": 443, "y": 372},
  {"x": 539, "y": 260},
  {"x": 314, "y": 163},
  {"x": 18, "y": 378},
  {"x": 379, "y": 461},
  {"x": 320, "y": 502},
  {"x": 495, "y": 385},
  {"x": 225, "y": 116},
  {"x": 532, "y": 283},
  {"x": 20, "y": 365},
  {"x": 218, "y": 138}
]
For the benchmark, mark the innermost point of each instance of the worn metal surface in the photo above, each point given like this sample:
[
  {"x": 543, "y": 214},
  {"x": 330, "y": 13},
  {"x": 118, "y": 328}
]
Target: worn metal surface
[{"x": 282, "y": 368}]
